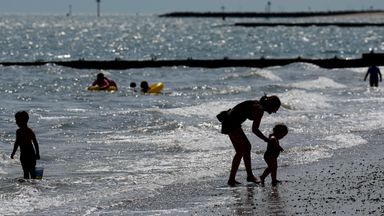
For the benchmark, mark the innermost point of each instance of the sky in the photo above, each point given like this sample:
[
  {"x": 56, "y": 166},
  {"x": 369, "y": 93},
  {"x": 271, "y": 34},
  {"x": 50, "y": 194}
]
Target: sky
[{"x": 164, "y": 6}]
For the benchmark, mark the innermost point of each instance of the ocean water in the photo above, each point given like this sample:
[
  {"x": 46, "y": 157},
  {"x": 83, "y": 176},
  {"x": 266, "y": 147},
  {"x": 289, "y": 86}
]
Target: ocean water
[{"x": 102, "y": 150}]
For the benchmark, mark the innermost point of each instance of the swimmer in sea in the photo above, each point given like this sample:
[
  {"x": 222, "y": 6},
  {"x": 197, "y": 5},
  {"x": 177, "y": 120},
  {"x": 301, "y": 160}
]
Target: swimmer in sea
[
  {"x": 132, "y": 85},
  {"x": 103, "y": 82},
  {"x": 144, "y": 86}
]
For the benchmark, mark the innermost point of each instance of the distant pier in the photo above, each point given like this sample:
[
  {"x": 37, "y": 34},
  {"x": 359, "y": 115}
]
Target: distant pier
[
  {"x": 366, "y": 60},
  {"x": 271, "y": 14}
]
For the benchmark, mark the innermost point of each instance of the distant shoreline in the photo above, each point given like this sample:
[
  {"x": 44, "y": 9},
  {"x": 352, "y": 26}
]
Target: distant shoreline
[{"x": 273, "y": 14}]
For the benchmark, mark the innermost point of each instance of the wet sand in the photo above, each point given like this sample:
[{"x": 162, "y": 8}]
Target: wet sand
[{"x": 349, "y": 183}]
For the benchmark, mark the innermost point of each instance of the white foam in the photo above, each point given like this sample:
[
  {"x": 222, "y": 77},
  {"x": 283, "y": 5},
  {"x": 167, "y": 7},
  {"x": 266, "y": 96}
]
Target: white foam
[
  {"x": 55, "y": 117},
  {"x": 267, "y": 74},
  {"x": 345, "y": 140},
  {"x": 300, "y": 155},
  {"x": 302, "y": 100},
  {"x": 210, "y": 109},
  {"x": 27, "y": 199},
  {"x": 320, "y": 83},
  {"x": 76, "y": 110}
]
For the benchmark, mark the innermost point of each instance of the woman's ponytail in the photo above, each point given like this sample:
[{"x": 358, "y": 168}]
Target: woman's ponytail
[{"x": 263, "y": 99}]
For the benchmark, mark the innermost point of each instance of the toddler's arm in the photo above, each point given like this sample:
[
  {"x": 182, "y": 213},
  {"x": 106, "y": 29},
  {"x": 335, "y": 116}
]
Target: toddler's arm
[{"x": 36, "y": 145}]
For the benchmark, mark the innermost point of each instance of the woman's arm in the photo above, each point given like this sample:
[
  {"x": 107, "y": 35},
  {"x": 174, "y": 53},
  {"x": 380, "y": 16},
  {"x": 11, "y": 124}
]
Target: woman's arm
[{"x": 256, "y": 124}]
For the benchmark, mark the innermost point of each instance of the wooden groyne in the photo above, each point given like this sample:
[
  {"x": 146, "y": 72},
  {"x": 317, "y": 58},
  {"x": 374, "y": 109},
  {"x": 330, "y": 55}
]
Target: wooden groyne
[
  {"x": 301, "y": 24},
  {"x": 271, "y": 14},
  {"x": 366, "y": 60}
]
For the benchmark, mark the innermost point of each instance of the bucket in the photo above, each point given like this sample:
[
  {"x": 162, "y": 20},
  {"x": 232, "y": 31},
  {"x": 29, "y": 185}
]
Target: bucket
[{"x": 39, "y": 172}]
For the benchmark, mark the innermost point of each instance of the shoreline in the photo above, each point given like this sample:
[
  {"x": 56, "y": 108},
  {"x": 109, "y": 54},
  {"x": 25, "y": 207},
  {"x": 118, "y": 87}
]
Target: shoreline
[{"x": 351, "y": 182}]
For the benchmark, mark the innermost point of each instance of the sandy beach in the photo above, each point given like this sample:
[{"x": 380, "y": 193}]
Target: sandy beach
[{"x": 349, "y": 183}]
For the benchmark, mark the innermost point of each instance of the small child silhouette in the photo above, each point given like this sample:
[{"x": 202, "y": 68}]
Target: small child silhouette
[
  {"x": 272, "y": 152},
  {"x": 29, "y": 147}
]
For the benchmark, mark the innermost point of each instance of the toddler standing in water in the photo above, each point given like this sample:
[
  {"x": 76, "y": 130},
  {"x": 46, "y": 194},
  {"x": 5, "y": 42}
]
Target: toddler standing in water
[
  {"x": 272, "y": 153},
  {"x": 29, "y": 148}
]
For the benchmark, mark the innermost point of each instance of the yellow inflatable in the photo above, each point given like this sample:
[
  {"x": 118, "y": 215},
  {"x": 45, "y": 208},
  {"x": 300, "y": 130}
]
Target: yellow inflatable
[
  {"x": 156, "y": 87},
  {"x": 97, "y": 88}
]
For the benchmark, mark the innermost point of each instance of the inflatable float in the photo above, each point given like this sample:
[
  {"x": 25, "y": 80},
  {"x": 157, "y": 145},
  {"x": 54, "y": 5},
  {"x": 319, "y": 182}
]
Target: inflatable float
[
  {"x": 97, "y": 88},
  {"x": 156, "y": 87}
]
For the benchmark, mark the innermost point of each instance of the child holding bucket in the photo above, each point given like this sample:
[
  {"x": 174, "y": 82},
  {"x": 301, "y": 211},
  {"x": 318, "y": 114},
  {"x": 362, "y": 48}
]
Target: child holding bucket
[{"x": 29, "y": 147}]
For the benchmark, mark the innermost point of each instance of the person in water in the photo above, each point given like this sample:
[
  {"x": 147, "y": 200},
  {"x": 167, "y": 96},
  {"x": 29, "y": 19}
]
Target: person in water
[
  {"x": 29, "y": 147},
  {"x": 374, "y": 76},
  {"x": 144, "y": 86},
  {"x": 132, "y": 85},
  {"x": 232, "y": 120},
  {"x": 103, "y": 82},
  {"x": 272, "y": 152}
]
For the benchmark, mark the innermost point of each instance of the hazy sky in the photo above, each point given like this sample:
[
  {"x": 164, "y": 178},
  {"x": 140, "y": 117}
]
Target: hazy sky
[{"x": 162, "y": 6}]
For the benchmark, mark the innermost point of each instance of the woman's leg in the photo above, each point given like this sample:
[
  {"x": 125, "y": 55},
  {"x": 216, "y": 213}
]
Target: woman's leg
[
  {"x": 237, "y": 145},
  {"x": 243, "y": 150}
]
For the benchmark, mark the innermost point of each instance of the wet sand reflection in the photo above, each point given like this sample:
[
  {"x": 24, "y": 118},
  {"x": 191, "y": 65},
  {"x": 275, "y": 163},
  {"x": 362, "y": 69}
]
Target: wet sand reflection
[{"x": 256, "y": 200}]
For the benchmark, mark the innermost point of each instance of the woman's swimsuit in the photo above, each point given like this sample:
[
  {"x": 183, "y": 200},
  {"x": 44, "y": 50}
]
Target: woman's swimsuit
[{"x": 233, "y": 118}]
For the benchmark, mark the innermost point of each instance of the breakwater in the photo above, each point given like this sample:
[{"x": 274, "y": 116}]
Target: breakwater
[
  {"x": 366, "y": 59},
  {"x": 301, "y": 24},
  {"x": 270, "y": 14}
]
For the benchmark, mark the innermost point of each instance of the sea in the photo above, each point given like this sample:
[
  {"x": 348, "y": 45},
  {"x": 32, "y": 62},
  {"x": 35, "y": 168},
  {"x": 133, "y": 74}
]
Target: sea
[{"x": 102, "y": 150}]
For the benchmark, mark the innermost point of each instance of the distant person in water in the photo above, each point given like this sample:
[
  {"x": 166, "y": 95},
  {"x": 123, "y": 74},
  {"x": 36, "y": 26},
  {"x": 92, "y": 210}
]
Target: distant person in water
[
  {"x": 272, "y": 153},
  {"x": 374, "y": 76},
  {"x": 232, "y": 120},
  {"x": 29, "y": 147},
  {"x": 132, "y": 85},
  {"x": 144, "y": 86},
  {"x": 103, "y": 82}
]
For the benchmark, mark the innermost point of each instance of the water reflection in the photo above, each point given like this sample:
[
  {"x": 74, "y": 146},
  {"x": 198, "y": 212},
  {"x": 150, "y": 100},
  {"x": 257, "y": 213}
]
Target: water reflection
[
  {"x": 256, "y": 200},
  {"x": 276, "y": 205}
]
